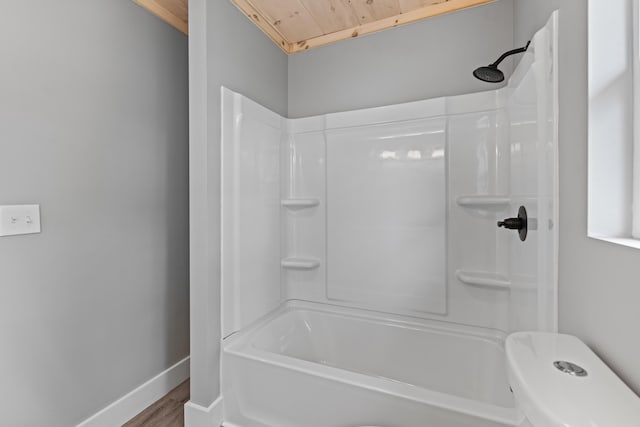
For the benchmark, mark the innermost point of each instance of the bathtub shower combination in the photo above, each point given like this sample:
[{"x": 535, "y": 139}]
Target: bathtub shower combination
[{"x": 365, "y": 282}]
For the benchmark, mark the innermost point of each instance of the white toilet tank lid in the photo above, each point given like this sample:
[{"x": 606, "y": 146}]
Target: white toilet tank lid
[{"x": 581, "y": 393}]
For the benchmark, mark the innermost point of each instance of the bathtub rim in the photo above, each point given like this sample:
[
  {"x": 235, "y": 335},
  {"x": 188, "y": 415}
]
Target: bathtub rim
[{"x": 240, "y": 344}]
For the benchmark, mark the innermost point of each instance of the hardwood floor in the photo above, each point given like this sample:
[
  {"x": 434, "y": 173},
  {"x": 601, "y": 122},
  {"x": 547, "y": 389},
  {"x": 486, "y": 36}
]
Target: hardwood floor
[{"x": 166, "y": 412}]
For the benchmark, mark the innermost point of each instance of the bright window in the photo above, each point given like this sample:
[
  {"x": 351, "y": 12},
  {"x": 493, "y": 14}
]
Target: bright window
[{"x": 614, "y": 126}]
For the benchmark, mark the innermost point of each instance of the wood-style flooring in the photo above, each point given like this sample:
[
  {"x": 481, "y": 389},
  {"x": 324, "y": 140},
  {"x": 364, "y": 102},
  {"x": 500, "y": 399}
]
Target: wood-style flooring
[{"x": 166, "y": 412}]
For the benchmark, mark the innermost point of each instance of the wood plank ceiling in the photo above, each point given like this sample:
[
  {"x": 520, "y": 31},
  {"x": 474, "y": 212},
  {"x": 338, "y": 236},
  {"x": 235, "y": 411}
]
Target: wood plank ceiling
[
  {"x": 298, "y": 25},
  {"x": 174, "y": 12}
]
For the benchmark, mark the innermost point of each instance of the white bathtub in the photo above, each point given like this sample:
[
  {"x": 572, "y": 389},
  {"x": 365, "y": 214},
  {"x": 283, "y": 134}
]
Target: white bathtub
[{"x": 315, "y": 365}]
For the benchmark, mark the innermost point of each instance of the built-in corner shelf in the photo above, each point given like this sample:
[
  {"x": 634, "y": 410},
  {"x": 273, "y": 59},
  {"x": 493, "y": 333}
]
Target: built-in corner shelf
[
  {"x": 300, "y": 203},
  {"x": 493, "y": 202},
  {"x": 483, "y": 279},
  {"x": 300, "y": 263}
]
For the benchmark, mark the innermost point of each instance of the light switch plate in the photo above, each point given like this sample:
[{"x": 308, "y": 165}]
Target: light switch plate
[{"x": 19, "y": 219}]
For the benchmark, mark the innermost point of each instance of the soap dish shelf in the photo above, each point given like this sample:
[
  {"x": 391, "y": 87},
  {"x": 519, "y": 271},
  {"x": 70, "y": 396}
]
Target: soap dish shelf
[
  {"x": 483, "y": 279},
  {"x": 300, "y": 203},
  {"x": 495, "y": 203},
  {"x": 300, "y": 263}
]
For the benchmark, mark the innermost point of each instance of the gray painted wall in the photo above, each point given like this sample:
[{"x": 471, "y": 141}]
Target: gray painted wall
[
  {"x": 599, "y": 282},
  {"x": 225, "y": 48},
  {"x": 93, "y": 126},
  {"x": 423, "y": 60}
]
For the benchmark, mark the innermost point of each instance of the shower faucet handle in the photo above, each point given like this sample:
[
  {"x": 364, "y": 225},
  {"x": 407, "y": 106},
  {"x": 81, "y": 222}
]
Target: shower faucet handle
[
  {"x": 511, "y": 223},
  {"x": 520, "y": 223}
]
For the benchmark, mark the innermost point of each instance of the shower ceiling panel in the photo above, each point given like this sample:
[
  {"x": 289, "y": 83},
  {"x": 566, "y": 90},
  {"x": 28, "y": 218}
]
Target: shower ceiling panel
[{"x": 298, "y": 25}]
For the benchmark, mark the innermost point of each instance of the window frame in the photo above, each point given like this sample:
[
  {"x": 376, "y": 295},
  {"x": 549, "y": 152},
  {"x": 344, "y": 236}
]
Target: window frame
[{"x": 635, "y": 226}]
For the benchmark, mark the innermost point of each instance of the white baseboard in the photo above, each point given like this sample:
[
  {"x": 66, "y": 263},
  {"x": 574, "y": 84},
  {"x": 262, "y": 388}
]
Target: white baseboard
[
  {"x": 134, "y": 402},
  {"x": 199, "y": 416}
]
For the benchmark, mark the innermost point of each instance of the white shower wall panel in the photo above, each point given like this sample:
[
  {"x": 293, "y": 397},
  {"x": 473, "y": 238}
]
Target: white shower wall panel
[
  {"x": 532, "y": 104},
  {"x": 364, "y": 208},
  {"x": 386, "y": 216},
  {"x": 305, "y": 229},
  {"x": 251, "y": 151},
  {"x": 524, "y": 149},
  {"x": 478, "y": 167}
]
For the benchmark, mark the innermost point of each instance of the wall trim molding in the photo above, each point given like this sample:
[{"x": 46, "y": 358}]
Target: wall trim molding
[
  {"x": 199, "y": 416},
  {"x": 134, "y": 402}
]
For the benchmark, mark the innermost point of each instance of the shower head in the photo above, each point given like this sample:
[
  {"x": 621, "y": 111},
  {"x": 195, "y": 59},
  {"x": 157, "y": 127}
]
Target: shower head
[{"x": 491, "y": 73}]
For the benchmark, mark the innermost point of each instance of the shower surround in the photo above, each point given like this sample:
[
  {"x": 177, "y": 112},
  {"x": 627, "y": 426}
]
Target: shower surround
[{"x": 364, "y": 280}]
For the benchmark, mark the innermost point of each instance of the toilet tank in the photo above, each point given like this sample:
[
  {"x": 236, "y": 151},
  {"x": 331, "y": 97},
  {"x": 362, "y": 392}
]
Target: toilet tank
[{"x": 559, "y": 382}]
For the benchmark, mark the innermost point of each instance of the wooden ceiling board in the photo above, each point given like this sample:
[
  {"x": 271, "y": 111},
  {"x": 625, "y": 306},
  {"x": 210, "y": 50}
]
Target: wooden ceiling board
[
  {"x": 369, "y": 11},
  {"x": 299, "y": 25},
  {"x": 409, "y": 5},
  {"x": 173, "y": 12},
  {"x": 331, "y": 15},
  {"x": 290, "y": 18}
]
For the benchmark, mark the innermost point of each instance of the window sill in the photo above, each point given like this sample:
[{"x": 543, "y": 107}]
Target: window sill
[{"x": 623, "y": 241}]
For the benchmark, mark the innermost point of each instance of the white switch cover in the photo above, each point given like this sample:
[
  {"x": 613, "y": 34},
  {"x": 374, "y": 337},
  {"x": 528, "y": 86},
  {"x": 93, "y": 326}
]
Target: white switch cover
[{"x": 19, "y": 219}]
